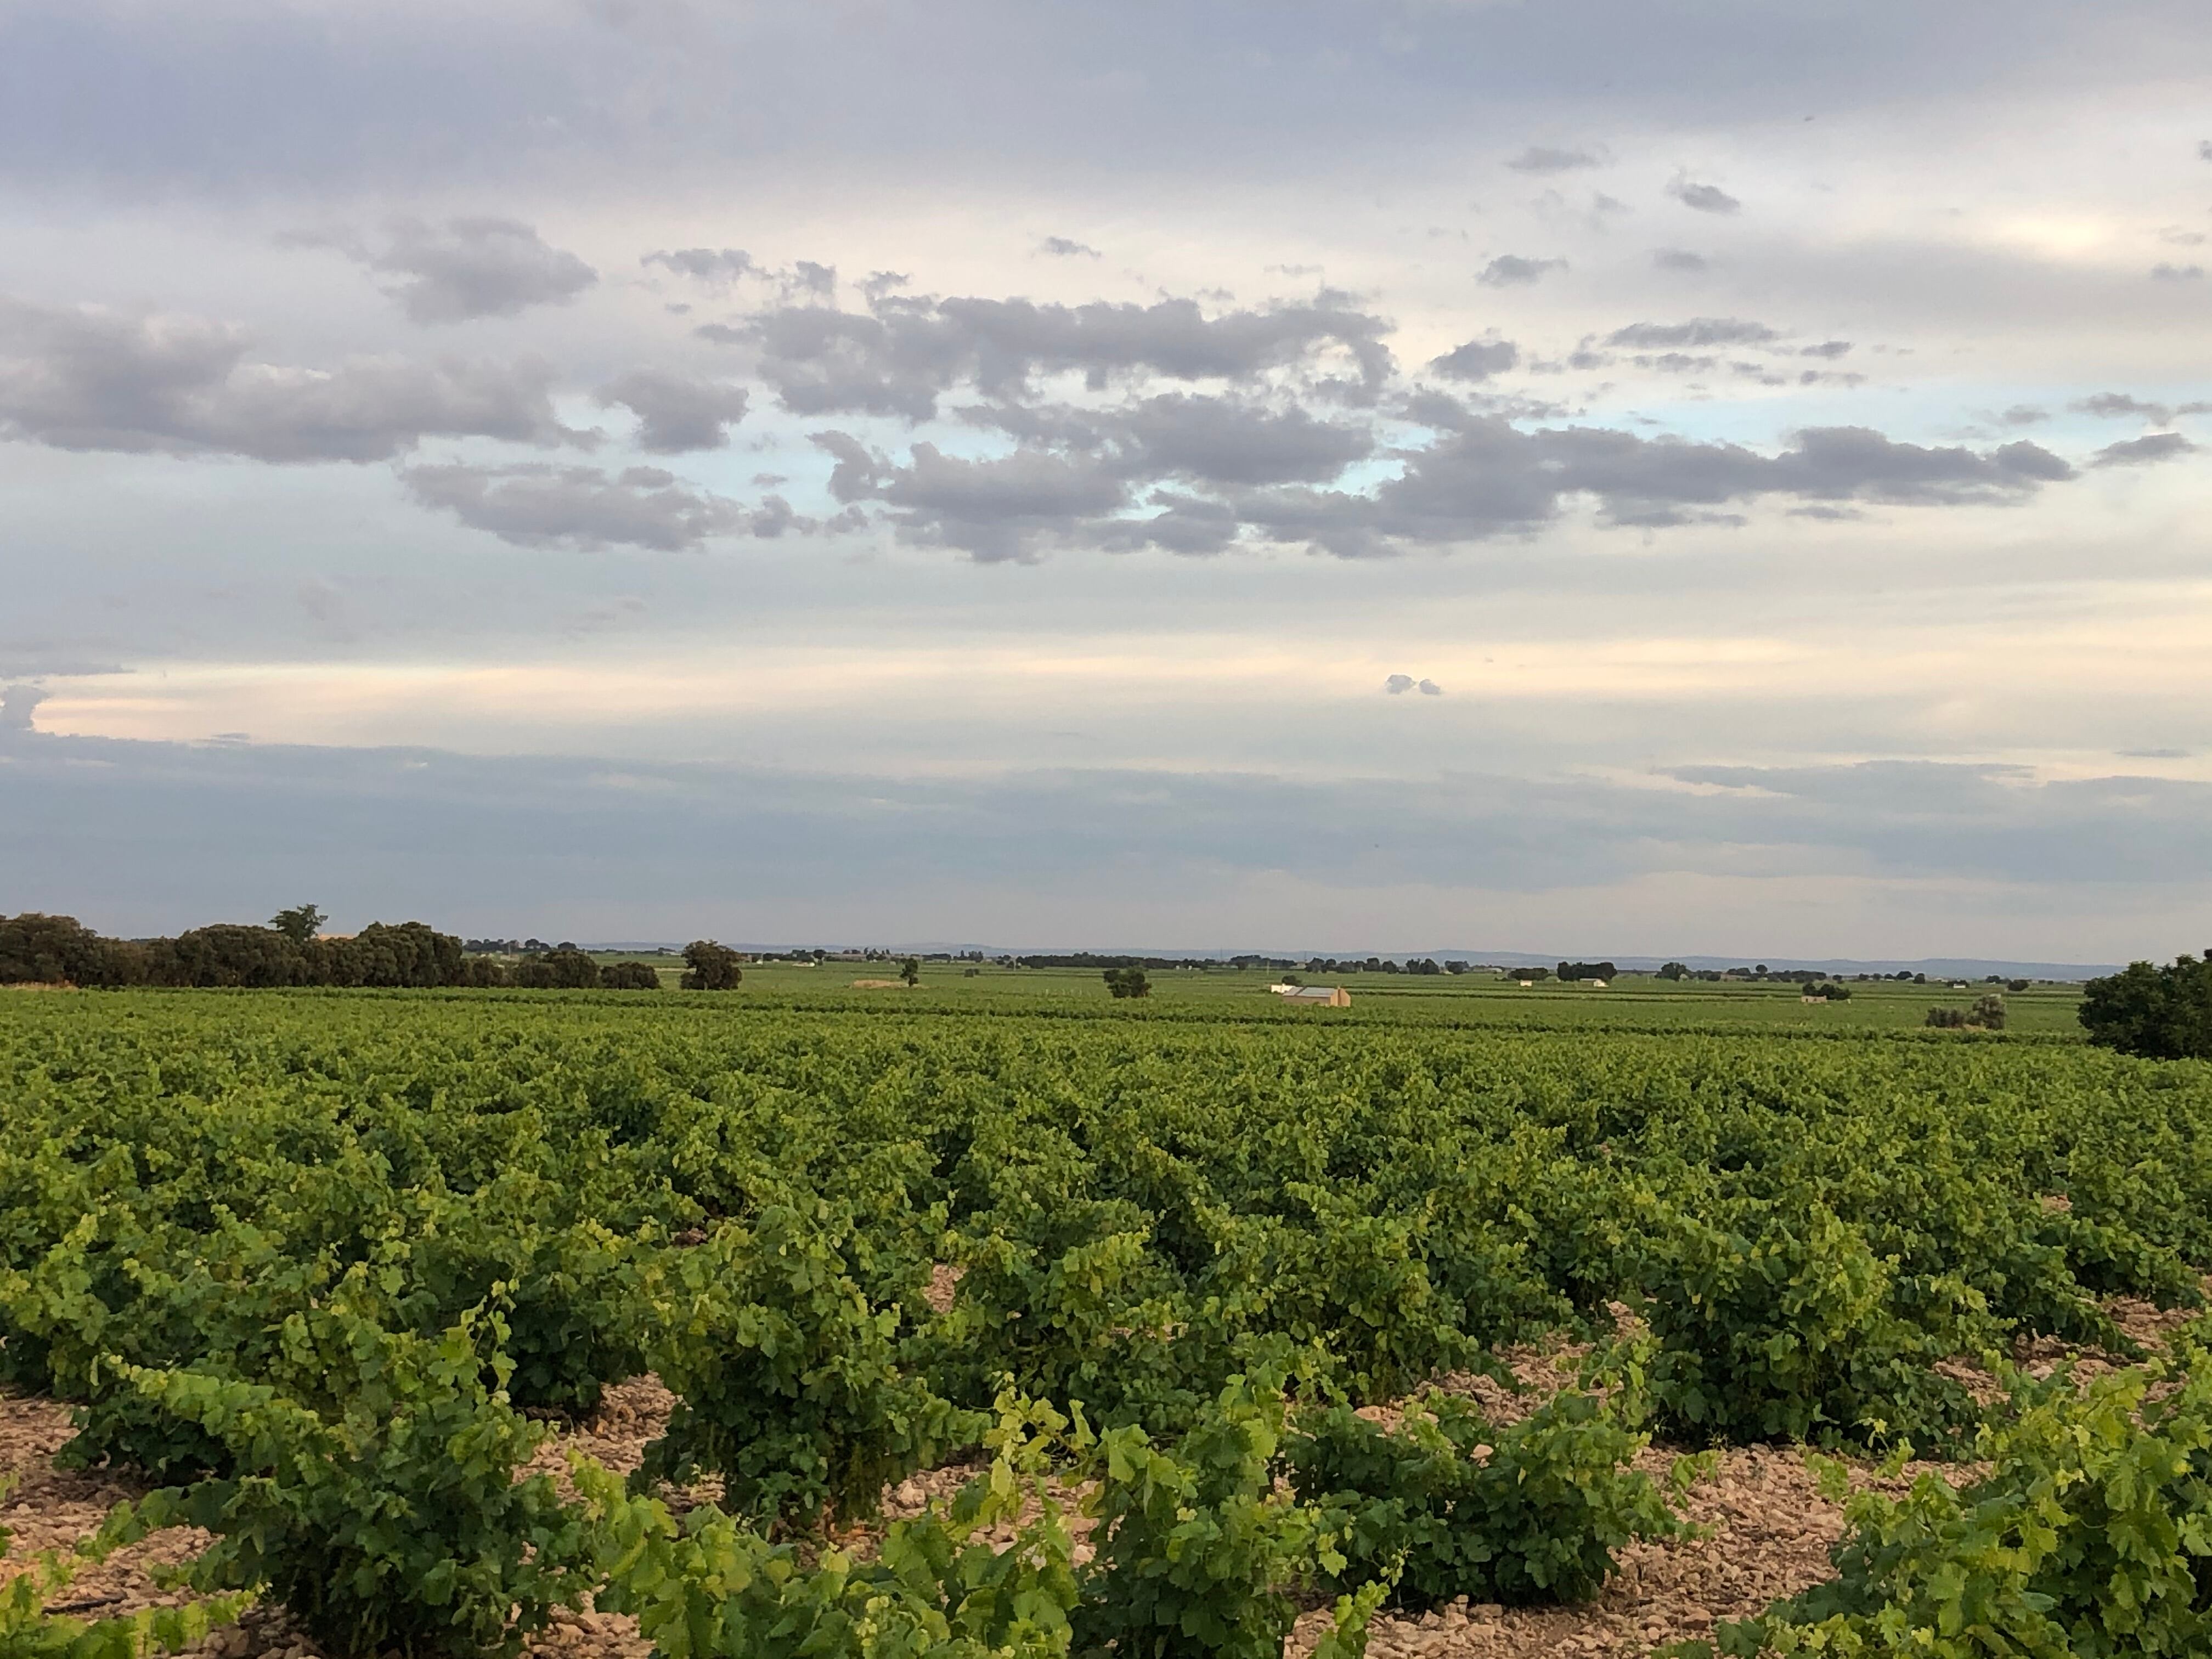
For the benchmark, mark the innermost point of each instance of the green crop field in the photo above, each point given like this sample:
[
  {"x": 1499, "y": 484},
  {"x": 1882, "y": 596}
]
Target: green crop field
[{"x": 316, "y": 1270}]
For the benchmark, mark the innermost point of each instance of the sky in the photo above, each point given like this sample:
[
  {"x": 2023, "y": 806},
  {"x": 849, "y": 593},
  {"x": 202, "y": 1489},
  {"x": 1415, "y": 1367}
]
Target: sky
[{"x": 1617, "y": 477}]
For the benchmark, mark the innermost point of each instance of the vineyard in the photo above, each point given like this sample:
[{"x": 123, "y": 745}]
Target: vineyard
[{"x": 467, "y": 1323}]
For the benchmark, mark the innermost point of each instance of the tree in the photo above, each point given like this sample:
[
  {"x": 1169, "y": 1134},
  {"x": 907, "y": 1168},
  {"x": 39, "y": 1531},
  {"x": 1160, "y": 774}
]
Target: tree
[
  {"x": 2154, "y": 1012},
  {"x": 563, "y": 968},
  {"x": 301, "y": 923},
  {"x": 1676, "y": 971},
  {"x": 42, "y": 949},
  {"x": 1127, "y": 982},
  {"x": 629, "y": 976},
  {"x": 910, "y": 971},
  {"x": 713, "y": 967}
]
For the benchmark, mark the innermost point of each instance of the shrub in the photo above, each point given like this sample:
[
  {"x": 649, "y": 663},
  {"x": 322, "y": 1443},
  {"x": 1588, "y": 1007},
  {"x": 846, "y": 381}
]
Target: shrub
[
  {"x": 394, "y": 1521},
  {"x": 788, "y": 1379},
  {"x": 1198, "y": 1550},
  {"x": 629, "y": 976},
  {"x": 2089, "y": 1537},
  {"x": 1789, "y": 1335},
  {"x": 1126, "y": 983},
  {"x": 1529, "y": 1511}
]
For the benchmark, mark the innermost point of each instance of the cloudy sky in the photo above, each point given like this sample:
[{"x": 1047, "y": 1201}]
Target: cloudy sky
[{"x": 1604, "y": 476}]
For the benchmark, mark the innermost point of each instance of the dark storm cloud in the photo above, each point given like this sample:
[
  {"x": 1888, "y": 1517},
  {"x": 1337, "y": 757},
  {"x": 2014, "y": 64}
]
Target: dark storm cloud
[
  {"x": 1478, "y": 360},
  {"x": 1706, "y": 198},
  {"x": 2142, "y": 452},
  {"x": 585, "y": 509},
  {"x": 1546, "y": 158},
  {"x": 91, "y": 378},
  {"x": 676, "y": 412},
  {"x": 1062, "y": 247},
  {"x": 1699, "y": 331},
  {"x": 900, "y": 355},
  {"x": 1514, "y": 269},
  {"x": 469, "y": 268}
]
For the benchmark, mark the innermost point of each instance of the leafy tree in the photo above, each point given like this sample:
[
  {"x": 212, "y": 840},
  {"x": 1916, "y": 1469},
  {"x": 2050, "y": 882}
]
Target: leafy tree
[
  {"x": 712, "y": 967},
  {"x": 1127, "y": 982},
  {"x": 42, "y": 949},
  {"x": 565, "y": 969},
  {"x": 910, "y": 971},
  {"x": 301, "y": 923},
  {"x": 629, "y": 976},
  {"x": 2156, "y": 1012},
  {"x": 1675, "y": 970}
]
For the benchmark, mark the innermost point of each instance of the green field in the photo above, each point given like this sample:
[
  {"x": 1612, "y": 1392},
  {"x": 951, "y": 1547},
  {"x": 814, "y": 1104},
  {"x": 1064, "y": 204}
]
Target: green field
[
  {"x": 1630, "y": 1002},
  {"x": 308, "y": 1256}
]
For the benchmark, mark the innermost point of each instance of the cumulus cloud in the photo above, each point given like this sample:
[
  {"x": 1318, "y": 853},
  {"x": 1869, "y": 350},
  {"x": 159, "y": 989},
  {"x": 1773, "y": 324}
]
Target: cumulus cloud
[
  {"x": 898, "y": 357},
  {"x": 1679, "y": 259},
  {"x": 1064, "y": 248},
  {"x": 1513, "y": 270},
  {"x": 1704, "y": 198},
  {"x": 1398, "y": 684},
  {"x": 90, "y": 378},
  {"x": 1478, "y": 360},
  {"x": 676, "y": 412},
  {"x": 1081, "y": 480},
  {"x": 469, "y": 268},
  {"x": 2142, "y": 451},
  {"x": 1699, "y": 331},
  {"x": 587, "y": 509},
  {"x": 1548, "y": 158}
]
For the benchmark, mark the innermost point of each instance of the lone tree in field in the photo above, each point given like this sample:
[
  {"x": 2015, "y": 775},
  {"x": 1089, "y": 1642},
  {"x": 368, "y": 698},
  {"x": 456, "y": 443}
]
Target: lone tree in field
[
  {"x": 301, "y": 923},
  {"x": 2154, "y": 1012},
  {"x": 1127, "y": 982},
  {"x": 910, "y": 971},
  {"x": 713, "y": 967}
]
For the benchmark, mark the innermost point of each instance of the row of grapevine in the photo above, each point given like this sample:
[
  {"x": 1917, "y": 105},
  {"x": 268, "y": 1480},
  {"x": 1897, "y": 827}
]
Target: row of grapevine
[{"x": 309, "y": 1260}]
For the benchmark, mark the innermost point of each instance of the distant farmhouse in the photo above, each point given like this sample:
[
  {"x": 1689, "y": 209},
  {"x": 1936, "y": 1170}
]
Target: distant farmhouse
[{"x": 1313, "y": 996}]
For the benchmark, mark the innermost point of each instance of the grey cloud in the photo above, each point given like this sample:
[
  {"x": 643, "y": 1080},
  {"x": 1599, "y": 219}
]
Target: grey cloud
[
  {"x": 90, "y": 378},
  {"x": 2122, "y": 405},
  {"x": 2166, "y": 273},
  {"x": 2204, "y": 150},
  {"x": 1679, "y": 259},
  {"x": 2023, "y": 415},
  {"x": 585, "y": 509},
  {"x": 2155, "y": 754},
  {"x": 1512, "y": 270},
  {"x": 1697, "y": 332},
  {"x": 1546, "y": 158},
  {"x": 471, "y": 267},
  {"x": 1830, "y": 348},
  {"x": 16, "y": 704},
  {"x": 1075, "y": 480},
  {"x": 1478, "y": 360},
  {"x": 1062, "y": 247},
  {"x": 707, "y": 265},
  {"x": 678, "y": 412},
  {"x": 1704, "y": 198},
  {"x": 1398, "y": 684},
  {"x": 898, "y": 358},
  {"x": 1429, "y": 689},
  {"x": 2142, "y": 452}
]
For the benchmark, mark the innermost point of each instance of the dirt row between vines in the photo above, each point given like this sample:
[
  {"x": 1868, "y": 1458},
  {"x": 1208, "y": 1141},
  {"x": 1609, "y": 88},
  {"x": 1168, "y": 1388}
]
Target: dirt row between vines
[{"x": 1767, "y": 1531}]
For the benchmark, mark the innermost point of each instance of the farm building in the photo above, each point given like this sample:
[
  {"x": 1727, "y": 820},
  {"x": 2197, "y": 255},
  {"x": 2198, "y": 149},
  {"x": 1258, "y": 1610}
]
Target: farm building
[
  {"x": 1317, "y": 996},
  {"x": 1809, "y": 997}
]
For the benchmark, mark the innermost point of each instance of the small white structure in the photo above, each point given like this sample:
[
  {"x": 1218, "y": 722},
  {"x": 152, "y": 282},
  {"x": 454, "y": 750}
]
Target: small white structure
[
  {"x": 1809, "y": 997},
  {"x": 1595, "y": 984},
  {"x": 1317, "y": 996}
]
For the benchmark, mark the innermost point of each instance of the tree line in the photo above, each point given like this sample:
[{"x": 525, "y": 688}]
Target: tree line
[{"x": 47, "y": 949}]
